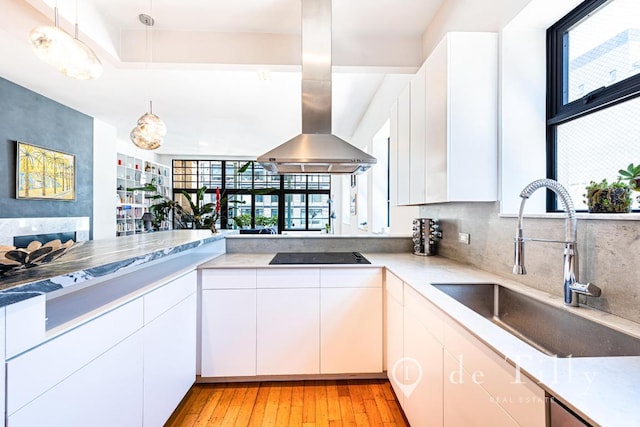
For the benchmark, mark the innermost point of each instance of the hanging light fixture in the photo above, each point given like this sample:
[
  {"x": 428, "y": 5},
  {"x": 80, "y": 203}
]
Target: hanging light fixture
[
  {"x": 150, "y": 129},
  {"x": 67, "y": 54}
]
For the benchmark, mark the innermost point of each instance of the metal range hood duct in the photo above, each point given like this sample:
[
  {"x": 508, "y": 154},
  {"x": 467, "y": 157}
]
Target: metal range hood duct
[{"x": 316, "y": 150}]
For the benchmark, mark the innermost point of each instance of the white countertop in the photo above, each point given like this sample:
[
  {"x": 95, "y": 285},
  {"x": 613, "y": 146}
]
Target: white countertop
[{"x": 603, "y": 390}]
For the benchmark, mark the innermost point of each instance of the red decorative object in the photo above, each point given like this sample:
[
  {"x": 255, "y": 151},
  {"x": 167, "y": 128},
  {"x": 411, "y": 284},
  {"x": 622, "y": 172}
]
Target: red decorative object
[{"x": 217, "y": 201}]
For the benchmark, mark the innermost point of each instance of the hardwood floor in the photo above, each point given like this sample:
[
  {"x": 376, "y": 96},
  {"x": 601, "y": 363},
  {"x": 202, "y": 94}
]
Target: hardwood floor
[{"x": 351, "y": 403}]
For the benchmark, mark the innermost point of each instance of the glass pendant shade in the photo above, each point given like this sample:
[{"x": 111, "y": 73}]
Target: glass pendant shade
[
  {"x": 149, "y": 132},
  {"x": 67, "y": 54}
]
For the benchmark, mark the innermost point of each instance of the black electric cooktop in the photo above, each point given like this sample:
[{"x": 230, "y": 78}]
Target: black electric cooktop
[{"x": 319, "y": 258}]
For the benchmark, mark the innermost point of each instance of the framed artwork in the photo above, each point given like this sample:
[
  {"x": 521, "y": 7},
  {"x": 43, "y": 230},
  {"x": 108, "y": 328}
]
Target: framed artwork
[{"x": 42, "y": 173}]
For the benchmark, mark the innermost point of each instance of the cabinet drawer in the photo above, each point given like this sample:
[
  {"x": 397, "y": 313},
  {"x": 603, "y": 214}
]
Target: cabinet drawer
[
  {"x": 394, "y": 287},
  {"x": 351, "y": 277},
  {"x": 36, "y": 371},
  {"x": 511, "y": 389},
  {"x": 165, "y": 297},
  {"x": 288, "y": 278},
  {"x": 467, "y": 404},
  {"x": 425, "y": 312},
  {"x": 228, "y": 278},
  {"x": 25, "y": 325}
]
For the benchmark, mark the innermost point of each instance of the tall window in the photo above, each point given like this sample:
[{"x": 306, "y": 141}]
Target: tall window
[
  {"x": 593, "y": 95},
  {"x": 255, "y": 198}
]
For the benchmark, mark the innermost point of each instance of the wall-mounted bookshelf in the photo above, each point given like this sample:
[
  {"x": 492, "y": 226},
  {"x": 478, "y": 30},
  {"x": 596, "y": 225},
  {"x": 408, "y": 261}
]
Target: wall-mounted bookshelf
[{"x": 133, "y": 172}]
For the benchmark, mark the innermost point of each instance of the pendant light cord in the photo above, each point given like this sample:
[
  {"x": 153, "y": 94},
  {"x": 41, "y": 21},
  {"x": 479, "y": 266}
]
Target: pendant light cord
[{"x": 76, "y": 35}]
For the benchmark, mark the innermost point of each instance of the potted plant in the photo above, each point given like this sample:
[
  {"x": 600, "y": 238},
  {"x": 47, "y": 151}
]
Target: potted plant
[
  {"x": 631, "y": 175},
  {"x": 161, "y": 207},
  {"x": 242, "y": 220},
  {"x": 605, "y": 197}
]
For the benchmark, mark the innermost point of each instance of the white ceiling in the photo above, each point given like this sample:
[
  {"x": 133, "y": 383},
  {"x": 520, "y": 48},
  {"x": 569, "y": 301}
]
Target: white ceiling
[{"x": 207, "y": 55}]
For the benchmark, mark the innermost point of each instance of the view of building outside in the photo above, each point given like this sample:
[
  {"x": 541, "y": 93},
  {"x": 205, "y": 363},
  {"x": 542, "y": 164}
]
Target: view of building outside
[
  {"x": 306, "y": 197},
  {"x": 602, "y": 50}
]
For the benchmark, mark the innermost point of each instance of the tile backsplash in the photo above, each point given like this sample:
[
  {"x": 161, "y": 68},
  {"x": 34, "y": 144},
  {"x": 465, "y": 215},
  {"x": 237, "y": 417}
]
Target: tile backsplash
[{"x": 608, "y": 250}]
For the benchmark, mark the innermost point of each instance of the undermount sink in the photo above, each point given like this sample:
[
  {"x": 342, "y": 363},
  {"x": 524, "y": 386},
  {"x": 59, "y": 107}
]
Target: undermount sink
[{"x": 550, "y": 329}]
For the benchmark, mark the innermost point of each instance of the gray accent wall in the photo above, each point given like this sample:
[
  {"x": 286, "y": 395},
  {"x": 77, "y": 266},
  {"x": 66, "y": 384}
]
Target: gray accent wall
[{"x": 30, "y": 117}]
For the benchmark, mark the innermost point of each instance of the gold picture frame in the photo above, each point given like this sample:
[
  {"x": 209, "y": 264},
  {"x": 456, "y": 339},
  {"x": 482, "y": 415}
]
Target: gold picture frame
[{"x": 43, "y": 173}]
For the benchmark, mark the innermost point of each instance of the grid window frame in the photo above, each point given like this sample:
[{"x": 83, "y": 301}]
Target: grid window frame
[
  {"x": 251, "y": 183},
  {"x": 559, "y": 109}
]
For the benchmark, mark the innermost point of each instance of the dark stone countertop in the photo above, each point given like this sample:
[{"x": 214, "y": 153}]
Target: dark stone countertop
[{"x": 98, "y": 258}]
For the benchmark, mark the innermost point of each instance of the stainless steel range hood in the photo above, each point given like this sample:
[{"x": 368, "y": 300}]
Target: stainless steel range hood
[{"x": 316, "y": 150}]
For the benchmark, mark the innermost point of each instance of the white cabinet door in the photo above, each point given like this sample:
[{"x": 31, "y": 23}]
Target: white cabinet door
[
  {"x": 228, "y": 332},
  {"x": 351, "y": 330},
  {"x": 288, "y": 339},
  {"x": 32, "y": 373},
  {"x": 228, "y": 328},
  {"x": 417, "y": 151},
  {"x": 461, "y": 118},
  {"x": 3, "y": 372},
  {"x": 422, "y": 382},
  {"x": 466, "y": 403},
  {"x": 509, "y": 388},
  {"x": 351, "y": 320},
  {"x": 394, "y": 332},
  {"x": 436, "y": 123},
  {"x": 404, "y": 146},
  {"x": 106, "y": 392},
  {"x": 169, "y": 360},
  {"x": 393, "y": 154}
]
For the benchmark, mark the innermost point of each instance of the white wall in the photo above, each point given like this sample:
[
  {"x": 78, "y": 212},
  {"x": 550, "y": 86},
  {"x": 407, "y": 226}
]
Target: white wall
[
  {"x": 523, "y": 102},
  {"x": 104, "y": 180},
  {"x": 469, "y": 15},
  {"x": 106, "y": 145},
  {"x": 372, "y": 121}
]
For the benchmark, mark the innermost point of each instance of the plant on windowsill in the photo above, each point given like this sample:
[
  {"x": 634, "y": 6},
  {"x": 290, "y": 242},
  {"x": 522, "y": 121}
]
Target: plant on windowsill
[
  {"x": 605, "y": 197},
  {"x": 632, "y": 176}
]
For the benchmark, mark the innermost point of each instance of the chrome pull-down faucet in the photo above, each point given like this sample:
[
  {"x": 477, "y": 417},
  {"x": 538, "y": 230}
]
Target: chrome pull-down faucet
[{"x": 571, "y": 286}]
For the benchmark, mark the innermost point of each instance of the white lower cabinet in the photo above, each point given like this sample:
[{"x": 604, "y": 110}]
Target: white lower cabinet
[
  {"x": 106, "y": 392},
  {"x": 422, "y": 368},
  {"x": 466, "y": 402},
  {"x": 351, "y": 320},
  {"x": 291, "y": 321},
  {"x": 228, "y": 323},
  {"x": 288, "y": 334},
  {"x": 350, "y": 330},
  {"x": 228, "y": 333},
  {"x": 394, "y": 333},
  {"x": 129, "y": 366},
  {"x": 169, "y": 360},
  {"x": 447, "y": 376},
  {"x": 506, "y": 389},
  {"x": 3, "y": 372}
]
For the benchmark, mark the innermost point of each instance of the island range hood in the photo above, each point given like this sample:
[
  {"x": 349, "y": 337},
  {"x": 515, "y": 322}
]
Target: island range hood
[{"x": 316, "y": 150}]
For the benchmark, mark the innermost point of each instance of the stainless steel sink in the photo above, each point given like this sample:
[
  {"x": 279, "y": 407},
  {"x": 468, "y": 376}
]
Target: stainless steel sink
[{"x": 552, "y": 330}]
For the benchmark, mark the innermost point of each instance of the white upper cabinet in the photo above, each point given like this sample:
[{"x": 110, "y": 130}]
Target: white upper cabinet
[
  {"x": 461, "y": 119},
  {"x": 393, "y": 153},
  {"x": 447, "y": 124},
  {"x": 404, "y": 121},
  {"x": 417, "y": 150}
]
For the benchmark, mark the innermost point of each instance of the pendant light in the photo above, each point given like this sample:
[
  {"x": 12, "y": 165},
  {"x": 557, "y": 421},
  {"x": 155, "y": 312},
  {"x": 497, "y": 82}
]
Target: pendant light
[
  {"x": 150, "y": 129},
  {"x": 67, "y": 54}
]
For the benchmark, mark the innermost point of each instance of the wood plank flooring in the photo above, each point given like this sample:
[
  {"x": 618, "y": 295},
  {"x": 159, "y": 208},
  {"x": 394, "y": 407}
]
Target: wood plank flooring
[{"x": 349, "y": 403}]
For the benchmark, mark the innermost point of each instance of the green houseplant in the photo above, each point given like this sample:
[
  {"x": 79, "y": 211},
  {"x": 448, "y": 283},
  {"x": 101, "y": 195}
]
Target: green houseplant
[
  {"x": 631, "y": 175},
  {"x": 161, "y": 207},
  {"x": 605, "y": 197}
]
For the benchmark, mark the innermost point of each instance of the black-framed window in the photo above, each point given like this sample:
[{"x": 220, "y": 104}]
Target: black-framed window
[
  {"x": 593, "y": 95},
  {"x": 294, "y": 202}
]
